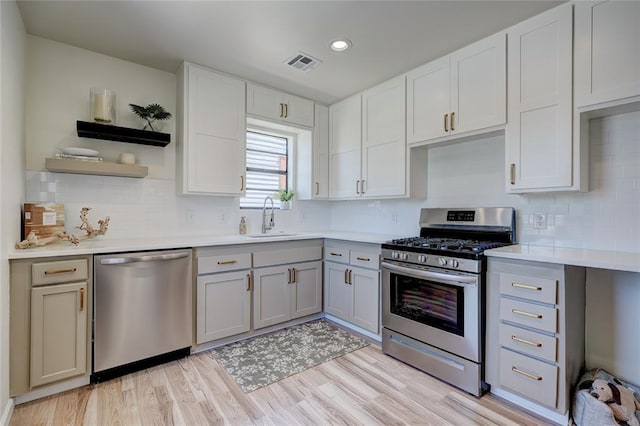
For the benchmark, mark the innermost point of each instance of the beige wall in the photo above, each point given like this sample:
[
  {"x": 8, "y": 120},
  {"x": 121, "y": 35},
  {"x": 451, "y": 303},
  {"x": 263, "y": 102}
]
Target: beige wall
[
  {"x": 59, "y": 79},
  {"x": 12, "y": 87}
]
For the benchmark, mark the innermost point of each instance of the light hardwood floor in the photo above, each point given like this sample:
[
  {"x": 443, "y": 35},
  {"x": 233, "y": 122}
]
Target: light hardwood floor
[{"x": 364, "y": 387}]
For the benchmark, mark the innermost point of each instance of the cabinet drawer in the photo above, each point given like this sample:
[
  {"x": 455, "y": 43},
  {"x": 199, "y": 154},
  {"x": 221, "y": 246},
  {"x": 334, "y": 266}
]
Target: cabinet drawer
[
  {"x": 336, "y": 254},
  {"x": 223, "y": 263},
  {"x": 534, "y": 379},
  {"x": 530, "y": 314},
  {"x": 529, "y": 342},
  {"x": 59, "y": 272},
  {"x": 366, "y": 259},
  {"x": 532, "y": 288},
  {"x": 282, "y": 256}
]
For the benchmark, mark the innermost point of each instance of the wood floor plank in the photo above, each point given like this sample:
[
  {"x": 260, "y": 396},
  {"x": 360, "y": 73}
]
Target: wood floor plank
[{"x": 364, "y": 387}]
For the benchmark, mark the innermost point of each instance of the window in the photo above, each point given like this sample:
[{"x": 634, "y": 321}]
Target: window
[{"x": 267, "y": 168}]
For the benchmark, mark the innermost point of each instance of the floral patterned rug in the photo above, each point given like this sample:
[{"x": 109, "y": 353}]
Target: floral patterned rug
[{"x": 263, "y": 360}]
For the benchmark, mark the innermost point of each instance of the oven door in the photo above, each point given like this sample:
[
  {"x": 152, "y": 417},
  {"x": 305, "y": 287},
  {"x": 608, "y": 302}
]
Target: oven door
[{"x": 435, "y": 306}]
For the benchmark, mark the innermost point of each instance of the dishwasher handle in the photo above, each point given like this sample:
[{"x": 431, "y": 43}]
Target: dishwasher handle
[{"x": 149, "y": 258}]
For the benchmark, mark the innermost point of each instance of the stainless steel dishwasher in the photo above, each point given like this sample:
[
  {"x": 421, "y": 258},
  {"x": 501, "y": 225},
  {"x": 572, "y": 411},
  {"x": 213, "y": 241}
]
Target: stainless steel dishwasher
[{"x": 142, "y": 311}]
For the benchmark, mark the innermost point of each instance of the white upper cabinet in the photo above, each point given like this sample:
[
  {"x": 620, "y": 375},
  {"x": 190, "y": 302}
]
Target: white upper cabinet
[
  {"x": 384, "y": 146},
  {"x": 211, "y": 132},
  {"x": 538, "y": 137},
  {"x": 345, "y": 148},
  {"x": 461, "y": 93},
  {"x": 321, "y": 153},
  {"x": 607, "y": 56},
  {"x": 277, "y": 106}
]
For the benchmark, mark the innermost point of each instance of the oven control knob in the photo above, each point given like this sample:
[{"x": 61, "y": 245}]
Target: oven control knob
[
  {"x": 395, "y": 255},
  {"x": 453, "y": 263},
  {"x": 404, "y": 256},
  {"x": 442, "y": 261}
]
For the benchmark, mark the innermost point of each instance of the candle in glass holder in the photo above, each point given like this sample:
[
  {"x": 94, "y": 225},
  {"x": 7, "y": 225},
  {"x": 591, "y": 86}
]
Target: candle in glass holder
[{"x": 103, "y": 106}]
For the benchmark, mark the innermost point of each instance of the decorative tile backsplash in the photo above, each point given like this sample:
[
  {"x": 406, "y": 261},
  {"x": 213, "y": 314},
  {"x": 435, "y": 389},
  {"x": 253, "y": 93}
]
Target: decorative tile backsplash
[{"x": 459, "y": 175}]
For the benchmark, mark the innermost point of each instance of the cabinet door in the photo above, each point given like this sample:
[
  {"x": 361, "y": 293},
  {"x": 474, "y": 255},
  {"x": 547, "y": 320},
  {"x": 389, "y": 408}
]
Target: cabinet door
[
  {"x": 298, "y": 110},
  {"x": 538, "y": 137},
  {"x": 321, "y": 153},
  {"x": 384, "y": 146},
  {"x": 216, "y": 128},
  {"x": 223, "y": 305},
  {"x": 58, "y": 332},
  {"x": 271, "y": 296},
  {"x": 365, "y": 310},
  {"x": 479, "y": 85},
  {"x": 307, "y": 289},
  {"x": 345, "y": 144},
  {"x": 428, "y": 100},
  {"x": 607, "y": 56},
  {"x": 264, "y": 102},
  {"x": 337, "y": 292}
]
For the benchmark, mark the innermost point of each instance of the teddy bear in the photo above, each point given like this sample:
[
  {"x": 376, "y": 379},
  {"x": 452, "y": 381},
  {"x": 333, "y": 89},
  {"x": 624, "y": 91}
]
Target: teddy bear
[{"x": 620, "y": 400}]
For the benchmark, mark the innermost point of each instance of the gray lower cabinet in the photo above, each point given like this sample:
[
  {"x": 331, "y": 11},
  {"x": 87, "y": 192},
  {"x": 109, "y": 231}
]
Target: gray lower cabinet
[
  {"x": 50, "y": 311},
  {"x": 286, "y": 292},
  {"x": 223, "y": 292},
  {"x": 352, "y": 284},
  {"x": 535, "y": 330}
]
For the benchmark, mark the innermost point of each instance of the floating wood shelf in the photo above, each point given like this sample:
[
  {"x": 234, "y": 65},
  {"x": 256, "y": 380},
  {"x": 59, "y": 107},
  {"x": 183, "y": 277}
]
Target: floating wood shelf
[
  {"x": 66, "y": 165},
  {"x": 122, "y": 134}
]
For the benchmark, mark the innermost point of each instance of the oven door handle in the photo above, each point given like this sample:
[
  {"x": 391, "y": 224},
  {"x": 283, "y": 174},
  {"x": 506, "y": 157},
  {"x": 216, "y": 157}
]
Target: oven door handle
[{"x": 457, "y": 280}]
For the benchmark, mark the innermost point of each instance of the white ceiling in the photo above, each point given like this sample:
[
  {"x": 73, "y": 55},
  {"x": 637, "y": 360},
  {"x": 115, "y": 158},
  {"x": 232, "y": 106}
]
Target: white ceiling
[{"x": 252, "y": 39}]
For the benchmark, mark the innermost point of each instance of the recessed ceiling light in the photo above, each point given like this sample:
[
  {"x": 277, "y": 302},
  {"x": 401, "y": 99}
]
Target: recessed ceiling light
[{"x": 340, "y": 45}]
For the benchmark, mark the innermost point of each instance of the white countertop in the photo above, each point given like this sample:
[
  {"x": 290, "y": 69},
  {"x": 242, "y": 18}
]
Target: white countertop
[
  {"x": 601, "y": 259},
  {"x": 104, "y": 244}
]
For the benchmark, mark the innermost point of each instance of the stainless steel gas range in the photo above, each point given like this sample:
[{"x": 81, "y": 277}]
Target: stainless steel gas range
[{"x": 433, "y": 292}]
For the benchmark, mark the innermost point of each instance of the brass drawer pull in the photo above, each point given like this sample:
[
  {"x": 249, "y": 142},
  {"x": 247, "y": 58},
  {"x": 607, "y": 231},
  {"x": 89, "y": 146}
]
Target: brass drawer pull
[
  {"x": 350, "y": 277},
  {"x": 364, "y": 259},
  {"x": 524, "y": 373},
  {"x": 526, "y": 342},
  {"x": 362, "y": 187},
  {"x": 358, "y": 187},
  {"x": 526, "y": 314},
  {"x": 336, "y": 254},
  {"x": 241, "y": 183},
  {"x": 293, "y": 270},
  {"x": 281, "y": 110},
  {"x": 286, "y": 110},
  {"x": 81, "y": 299},
  {"x": 446, "y": 129},
  {"x": 61, "y": 271},
  {"x": 249, "y": 282},
  {"x": 452, "y": 115},
  {"x": 317, "y": 188},
  {"x": 512, "y": 174},
  {"x": 227, "y": 262},
  {"x": 346, "y": 276},
  {"x": 526, "y": 286}
]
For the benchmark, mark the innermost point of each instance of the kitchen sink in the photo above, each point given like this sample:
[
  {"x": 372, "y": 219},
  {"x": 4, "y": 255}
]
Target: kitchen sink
[{"x": 275, "y": 234}]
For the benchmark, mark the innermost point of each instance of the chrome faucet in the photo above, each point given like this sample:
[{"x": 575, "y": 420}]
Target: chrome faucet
[{"x": 267, "y": 225}]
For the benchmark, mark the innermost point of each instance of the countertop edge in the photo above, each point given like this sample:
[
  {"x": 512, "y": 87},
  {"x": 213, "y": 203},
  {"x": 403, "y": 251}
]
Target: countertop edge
[
  {"x": 591, "y": 258},
  {"x": 102, "y": 245}
]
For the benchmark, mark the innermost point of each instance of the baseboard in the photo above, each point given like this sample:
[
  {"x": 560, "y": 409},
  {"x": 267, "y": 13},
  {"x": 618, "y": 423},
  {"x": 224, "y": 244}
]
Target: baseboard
[
  {"x": 6, "y": 413},
  {"x": 554, "y": 416}
]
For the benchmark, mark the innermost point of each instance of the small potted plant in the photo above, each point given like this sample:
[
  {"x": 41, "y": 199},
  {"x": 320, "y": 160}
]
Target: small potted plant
[
  {"x": 150, "y": 114},
  {"x": 285, "y": 197}
]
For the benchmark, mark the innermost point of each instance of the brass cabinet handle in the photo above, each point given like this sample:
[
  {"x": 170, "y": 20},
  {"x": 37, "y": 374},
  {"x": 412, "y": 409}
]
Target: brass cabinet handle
[
  {"x": 446, "y": 128},
  {"x": 249, "y": 282},
  {"x": 362, "y": 187},
  {"x": 526, "y": 342},
  {"x": 364, "y": 259},
  {"x": 346, "y": 275},
  {"x": 512, "y": 174},
  {"x": 350, "y": 276},
  {"x": 289, "y": 277},
  {"x": 526, "y": 286},
  {"x": 61, "y": 271},
  {"x": 452, "y": 116},
  {"x": 524, "y": 373},
  {"x": 81, "y": 299},
  {"x": 241, "y": 183},
  {"x": 358, "y": 187},
  {"x": 317, "y": 188},
  {"x": 286, "y": 110},
  {"x": 526, "y": 314},
  {"x": 227, "y": 262},
  {"x": 295, "y": 279},
  {"x": 336, "y": 254},
  {"x": 281, "y": 110}
]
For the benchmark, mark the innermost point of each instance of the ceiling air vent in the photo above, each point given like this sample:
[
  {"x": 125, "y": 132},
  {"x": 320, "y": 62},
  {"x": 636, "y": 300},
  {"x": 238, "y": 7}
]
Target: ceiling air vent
[{"x": 303, "y": 62}]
